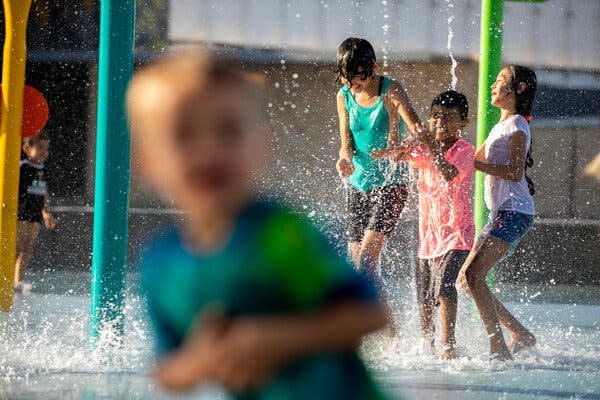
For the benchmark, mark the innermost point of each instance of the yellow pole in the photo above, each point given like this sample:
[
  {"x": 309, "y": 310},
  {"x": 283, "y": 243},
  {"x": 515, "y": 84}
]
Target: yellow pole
[{"x": 13, "y": 80}]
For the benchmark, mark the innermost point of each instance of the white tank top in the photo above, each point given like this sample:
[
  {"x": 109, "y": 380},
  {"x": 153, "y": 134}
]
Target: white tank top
[{"x": 503, "y": 194}]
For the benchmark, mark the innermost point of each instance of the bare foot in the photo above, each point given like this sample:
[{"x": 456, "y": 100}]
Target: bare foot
[
  {"x": 518, "y": 343},
  {"x": 428, "y": 345},
  {"x": 498, "y": 350},
  {"x": 449, "y": 353},
  {"x": 500, "y": 354},
  {"x": 390, "y": 331}
]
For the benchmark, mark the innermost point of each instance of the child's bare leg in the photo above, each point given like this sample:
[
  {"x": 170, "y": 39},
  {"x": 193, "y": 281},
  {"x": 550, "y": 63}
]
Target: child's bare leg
[
  {"x": 354, "y": 248},
  {"x": 27, "y": 233},
  {"x": 370, "y": 251},
  {"x": 463, "y": 284},
  {"x": 520, "y": 336},
  {"x": 426, "y": 312},
  {"x": 448, "y": 317},
  {"x": 489, "y": 253}
]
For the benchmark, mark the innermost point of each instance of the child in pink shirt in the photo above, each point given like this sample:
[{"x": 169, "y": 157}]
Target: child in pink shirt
[{"x": 446, "y": 164}]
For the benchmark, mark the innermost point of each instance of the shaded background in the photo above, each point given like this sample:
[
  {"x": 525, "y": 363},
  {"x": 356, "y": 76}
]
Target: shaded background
[{"x": 292, "y": 44}]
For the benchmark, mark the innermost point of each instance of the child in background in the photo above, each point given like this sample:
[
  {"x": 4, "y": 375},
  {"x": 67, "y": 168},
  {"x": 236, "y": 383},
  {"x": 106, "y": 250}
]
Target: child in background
[
  {"x": 33, "y": 203},
  {"x": 243, "y": 293},
  {"x": 377, "y": 190},
  {"x": 446, "y": 228},
  {"x": 504, "y": 158}
]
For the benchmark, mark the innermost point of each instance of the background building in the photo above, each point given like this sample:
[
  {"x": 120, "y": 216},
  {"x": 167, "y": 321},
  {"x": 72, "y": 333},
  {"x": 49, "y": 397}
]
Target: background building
[{"x": 292, "y": 44}]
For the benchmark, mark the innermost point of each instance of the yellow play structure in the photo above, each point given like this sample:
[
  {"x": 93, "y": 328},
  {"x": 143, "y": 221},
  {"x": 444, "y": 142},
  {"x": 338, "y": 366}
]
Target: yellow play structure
[{"x": 13, "y": 78}]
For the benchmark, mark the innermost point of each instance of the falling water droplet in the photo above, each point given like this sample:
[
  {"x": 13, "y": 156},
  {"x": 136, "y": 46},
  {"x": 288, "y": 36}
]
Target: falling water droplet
[{"x": 449, "y": 46}]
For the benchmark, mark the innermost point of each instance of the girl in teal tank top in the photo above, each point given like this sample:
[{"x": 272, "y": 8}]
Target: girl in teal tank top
[
  {"x": 372, "y": 110},
  {"x": 369, "y": 127}
]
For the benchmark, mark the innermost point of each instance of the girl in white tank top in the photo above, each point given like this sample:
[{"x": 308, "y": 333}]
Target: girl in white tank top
[{"x": 504, "y": 158}]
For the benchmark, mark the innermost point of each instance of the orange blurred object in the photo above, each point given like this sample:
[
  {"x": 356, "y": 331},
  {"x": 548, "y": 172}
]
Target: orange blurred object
[{"x": 35, "y": 111}]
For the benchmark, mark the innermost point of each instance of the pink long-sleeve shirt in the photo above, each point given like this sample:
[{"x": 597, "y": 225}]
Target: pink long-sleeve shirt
[{"x": 445, "y": 208}]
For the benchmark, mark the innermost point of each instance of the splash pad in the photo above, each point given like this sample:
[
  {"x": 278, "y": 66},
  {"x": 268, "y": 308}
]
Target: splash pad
[{"x": 45, "y": 352}]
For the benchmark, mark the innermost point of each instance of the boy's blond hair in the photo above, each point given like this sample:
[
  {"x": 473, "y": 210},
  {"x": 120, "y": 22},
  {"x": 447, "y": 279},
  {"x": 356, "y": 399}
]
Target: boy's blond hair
[{"x": 183, "y": 73}]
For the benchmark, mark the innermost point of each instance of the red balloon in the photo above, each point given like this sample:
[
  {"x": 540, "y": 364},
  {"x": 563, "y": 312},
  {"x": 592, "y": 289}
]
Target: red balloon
[{"x": 35, "y": 111}]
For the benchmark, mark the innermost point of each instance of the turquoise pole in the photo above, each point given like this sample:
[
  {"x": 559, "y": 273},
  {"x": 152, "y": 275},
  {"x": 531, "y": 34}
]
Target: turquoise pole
[{"x": 111, "y": 203}]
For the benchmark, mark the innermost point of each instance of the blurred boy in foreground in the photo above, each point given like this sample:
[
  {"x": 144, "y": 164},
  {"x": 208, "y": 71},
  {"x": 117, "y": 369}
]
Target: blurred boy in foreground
[{"x": 244, "y": 293}]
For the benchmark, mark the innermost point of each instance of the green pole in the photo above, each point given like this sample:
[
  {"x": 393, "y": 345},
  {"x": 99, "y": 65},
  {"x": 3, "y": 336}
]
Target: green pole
[
  {"x": 109, "y": 256},
  {"x": 490, "y": 62}
]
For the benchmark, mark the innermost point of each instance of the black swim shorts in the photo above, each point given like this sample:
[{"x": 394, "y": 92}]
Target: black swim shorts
[
  {"x": 437, "y": 276},
  {"x": 376, "y": 210}
]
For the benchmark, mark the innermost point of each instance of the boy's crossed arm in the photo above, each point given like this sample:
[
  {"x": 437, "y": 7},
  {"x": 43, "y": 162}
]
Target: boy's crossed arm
[
  {"x": 445, "y": 167},
  {"x": 405, "y": 152},
  {"x": 245, "y": 352}
]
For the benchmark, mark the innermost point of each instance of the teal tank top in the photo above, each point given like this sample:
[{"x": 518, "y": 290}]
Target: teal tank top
[{"x": 370, "y": 127}]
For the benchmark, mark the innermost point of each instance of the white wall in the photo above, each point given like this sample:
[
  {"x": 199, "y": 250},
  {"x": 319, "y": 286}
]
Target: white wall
[{"x": 558, "y": 34}]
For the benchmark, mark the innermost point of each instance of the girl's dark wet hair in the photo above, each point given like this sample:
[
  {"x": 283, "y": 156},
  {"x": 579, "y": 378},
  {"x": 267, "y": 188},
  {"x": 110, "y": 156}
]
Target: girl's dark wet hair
[
  {"x": 453, "y": 100},
  {"x": 352, "y": 55},
  {"x": 524, "y": 104}
]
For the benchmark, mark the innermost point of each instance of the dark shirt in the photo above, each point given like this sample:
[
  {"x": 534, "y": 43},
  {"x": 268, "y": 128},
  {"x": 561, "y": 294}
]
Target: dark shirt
[{"x": 32, "y": 191}]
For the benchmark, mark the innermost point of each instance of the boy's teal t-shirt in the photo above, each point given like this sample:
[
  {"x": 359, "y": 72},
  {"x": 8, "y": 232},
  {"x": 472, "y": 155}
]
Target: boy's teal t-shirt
[
  {"x": 370, "y": 127},
  {"x": 275, "y": 263}
]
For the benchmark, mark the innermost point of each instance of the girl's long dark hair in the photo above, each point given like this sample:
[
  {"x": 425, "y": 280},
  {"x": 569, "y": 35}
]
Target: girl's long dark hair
[
  {"x": 524, "y": 105},
  {"x": 355, "y": 57}
]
